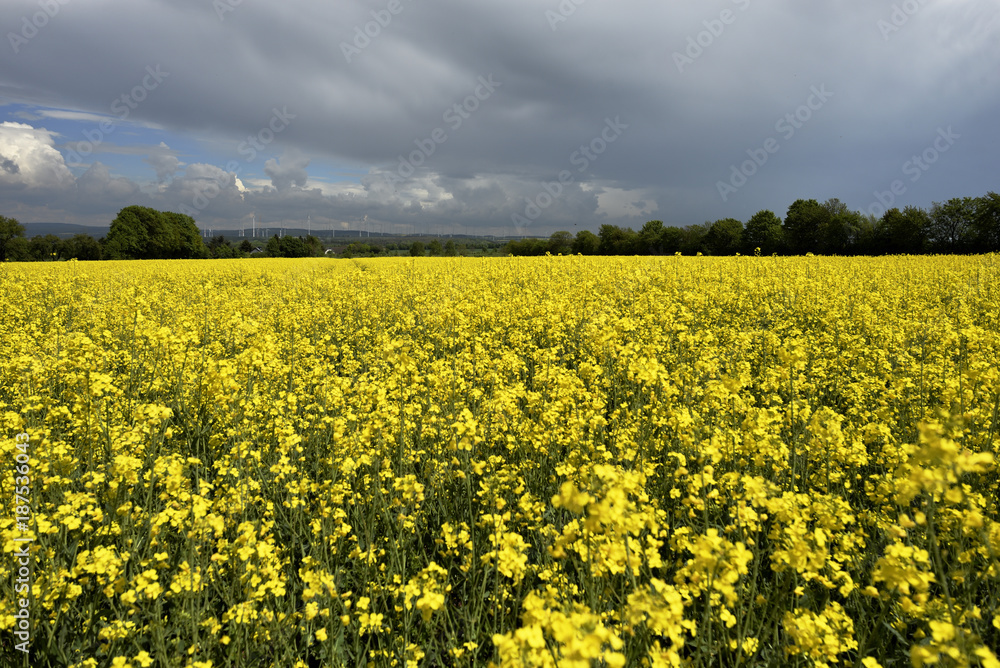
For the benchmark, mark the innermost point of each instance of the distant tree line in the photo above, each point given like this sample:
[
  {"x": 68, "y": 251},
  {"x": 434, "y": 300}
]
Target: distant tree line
[
  {"x": 142, "y": 233},
  {"x": 960, "y": 225},
  {"x": 419, "y": 248},
  {"x": 13, "y": 245},
  {"x": 434, "y": 247},
  {"x": 139, "y": 232},
  {"x": 286, "y": 246}
]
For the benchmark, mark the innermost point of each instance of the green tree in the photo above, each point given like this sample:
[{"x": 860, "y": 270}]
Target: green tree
[
  {"x": 82, "y": 247},
  {"x": 435, "y": 247},
  {"x": 901, "y": 232},
  {"x": 45, "y": 248},
  {"x": 617, "y": 240},
  {"x": 292, "y": 247},
  {"x": 358, "y": 249},
  {"x": 693, "y": 239},
  {"x": 914, "y": 235},
  {"x": 185, "y": 239},
  {"x": 450, "y": 249},
  {"x": 763, "y": 231},
  {"x": 139, "y": 232},
  {"x": 529, "y": 246},
  {"x": 9, "y": 229},
  {"x": 315, "y": 246},
  {"x": 560, "y": 242},
  {"x": 128, "y": 237},
  {"x": 803, "y": 223},
  {"x": 866, "y": 242},
  {"x": 725, "y": 237},
  {"x": 219, "y": 247},
  {"x": 987, "y": 223},
  {"x": 417, "y": 248},
  {"x": 672, "y": 240},
  {"x": 835, "y": 206},
  {"x": 951, "y": 225},
  {"x": 651, "y": 238},
  {"x": 165, "y": 240},
  {"x": 18, "y": 250},
  {"x": 586, "y": 243},
  {"x": 838, "y": 234},
  {"x": 273, "y": 247}
]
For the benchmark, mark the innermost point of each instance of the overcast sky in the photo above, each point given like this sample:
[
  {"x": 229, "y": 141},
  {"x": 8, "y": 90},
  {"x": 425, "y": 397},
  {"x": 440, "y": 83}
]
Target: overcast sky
[{"x": 521, "y": 116}]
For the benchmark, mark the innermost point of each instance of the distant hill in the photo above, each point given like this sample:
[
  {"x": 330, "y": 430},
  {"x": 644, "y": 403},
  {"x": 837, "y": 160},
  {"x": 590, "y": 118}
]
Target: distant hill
[{"x": 63, "y": 230}]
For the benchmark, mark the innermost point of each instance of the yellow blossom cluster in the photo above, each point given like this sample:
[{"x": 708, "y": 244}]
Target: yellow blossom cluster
[{"x": 555, "y": 461}]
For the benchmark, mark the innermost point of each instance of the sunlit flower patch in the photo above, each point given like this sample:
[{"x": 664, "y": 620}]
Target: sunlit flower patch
[{"x": 557, "y": 461}]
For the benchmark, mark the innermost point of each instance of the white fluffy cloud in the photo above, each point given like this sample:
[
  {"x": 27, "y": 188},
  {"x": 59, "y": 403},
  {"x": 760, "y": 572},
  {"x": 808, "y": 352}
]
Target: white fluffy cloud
[
  {"x": 204, "y": 188},
  {"x": 164, "y": 162},
  {"x": 29, "y": 159}
]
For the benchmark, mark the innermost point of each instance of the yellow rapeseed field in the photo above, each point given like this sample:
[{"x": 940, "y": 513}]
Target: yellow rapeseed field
[{"x": 556, "y": 461}]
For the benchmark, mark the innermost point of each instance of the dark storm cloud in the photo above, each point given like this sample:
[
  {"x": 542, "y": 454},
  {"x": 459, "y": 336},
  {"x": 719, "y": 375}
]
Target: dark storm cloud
[
  {"x": 702, "y": 88},
  {"x": 8, "y": 165}
]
